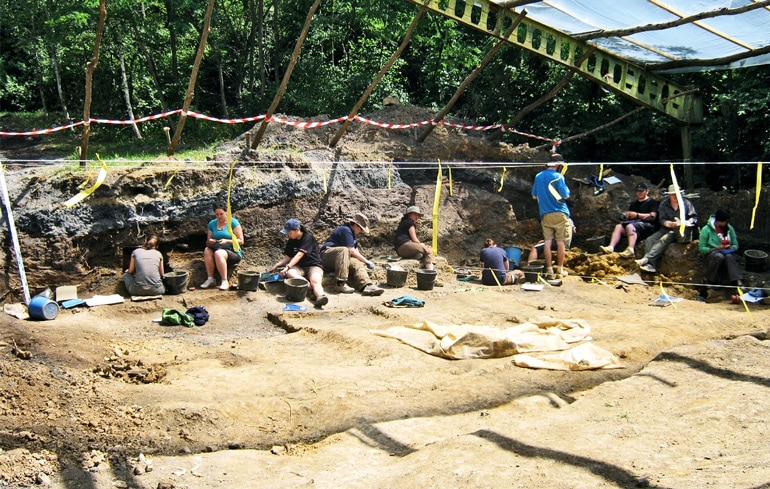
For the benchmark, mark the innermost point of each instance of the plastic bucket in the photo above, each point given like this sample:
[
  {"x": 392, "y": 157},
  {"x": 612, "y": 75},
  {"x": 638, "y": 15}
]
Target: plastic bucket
[
  {"x": 296, "y": 289},
  {"x": 175, "y": 281},
  {"x": 396, "y": 277},
  {"x": 755, "y": 260},
  {"x": 41, "y": 307},
  {"x": 425, "y": 279},
  {"x": 531, "y": 272},
  {"x": 514, "y": 256},
  {"x": 248, "y": 280}
]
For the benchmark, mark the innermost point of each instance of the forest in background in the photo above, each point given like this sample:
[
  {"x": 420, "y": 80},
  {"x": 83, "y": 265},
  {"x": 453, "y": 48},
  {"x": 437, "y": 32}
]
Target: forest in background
[{"x": 148, "y": 49}]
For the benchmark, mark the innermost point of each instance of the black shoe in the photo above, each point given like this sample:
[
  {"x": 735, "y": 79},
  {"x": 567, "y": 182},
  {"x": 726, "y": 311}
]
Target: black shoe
[{"x": 322, "y": 301}]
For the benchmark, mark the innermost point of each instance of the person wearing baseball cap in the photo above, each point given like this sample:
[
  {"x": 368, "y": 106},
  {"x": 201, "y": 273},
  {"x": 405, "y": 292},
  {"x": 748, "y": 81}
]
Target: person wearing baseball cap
[
  {"x": 639, "y": 221},
  {"x": 669, "y": 212},
  {"x": 340, "y": 252},
  {"x": 302, "y": 258},
  {"x": 407, "y": 244},
  {"x": 551, "y": 193}
]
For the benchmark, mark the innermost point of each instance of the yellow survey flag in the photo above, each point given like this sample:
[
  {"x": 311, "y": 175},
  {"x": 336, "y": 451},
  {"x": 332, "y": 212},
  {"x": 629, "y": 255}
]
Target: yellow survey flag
[
  {"x": 85, "y": 193},
  {"x": 757, "y": 192},
  {"x": 436, "y": 201},
  {"x": 233, "y": 237}
]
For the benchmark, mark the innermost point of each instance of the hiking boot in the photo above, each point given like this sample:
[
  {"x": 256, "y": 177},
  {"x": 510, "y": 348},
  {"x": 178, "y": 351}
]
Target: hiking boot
[
  {"x": 648, "y": 268},
  {"x": 642, "y": 261},
  {"x": 628, "y": 253},
  {"x": 607, "y": 249},
  {"x": 322, "y": 301},
  {"x": 224, "y": 285},
  {"x": 208, "y": 283},
  {"x": 344, "y": 288},
  {"x": 372, "y": 290}
]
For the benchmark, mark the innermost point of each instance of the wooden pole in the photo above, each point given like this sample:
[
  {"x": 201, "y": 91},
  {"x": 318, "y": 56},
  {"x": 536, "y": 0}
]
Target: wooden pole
[
  {"x": 376, "y": 80},
  {"x": 90, "y": 68},
  {"x": 491, "y": 54},
  {"x": 14, "y": 236},
  {"x": 193, "y": 77},
  {"x": 281, "y": 89}
]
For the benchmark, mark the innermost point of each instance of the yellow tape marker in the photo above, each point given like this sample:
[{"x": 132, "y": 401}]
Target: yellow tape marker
[
  {"x": 564, "y": 169},
  {"x": 85, "y": 193},
  {"x": 449, "y": 169},
  {"x": 390, "y": 176},
  {"x": 326, "y": 190},
  {"x": 168, "y": 182},
  {"x": 436, "y": 201},
  {"x": 502, "y": 179},
  {"x": 233, "y": 237},
  {"x": 679, "y": 201},
  {"x": 757, "y": 192},
  {"x": 745, "y": 306},
  {"x": 499, "y": 286},
  {"x": 664, "y": 294},
  {"x": 601, "y": 171}
]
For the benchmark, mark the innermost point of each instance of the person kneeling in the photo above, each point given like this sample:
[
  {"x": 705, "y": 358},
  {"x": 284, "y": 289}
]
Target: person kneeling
[{"x": 340, "y": 253}]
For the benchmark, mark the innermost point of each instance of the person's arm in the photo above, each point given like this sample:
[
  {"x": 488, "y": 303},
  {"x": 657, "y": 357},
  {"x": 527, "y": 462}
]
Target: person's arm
[
  {"x": 281, "y": 264},
  {"x": 238, "y": 232},
  {"x": 413, "y": 235},
  {"x": 357, "y": 254},
  {"x": 160, "y": 267},
  {"x": 131, "y": 266},
  {"x": 210, "y": 241}
]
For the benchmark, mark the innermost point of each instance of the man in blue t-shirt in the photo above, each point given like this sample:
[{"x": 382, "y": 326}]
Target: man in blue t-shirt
[
  {"x": 551, "y": 193},
  {"x": 340, "y": 253},
  {"x": 495, "y": 261}
]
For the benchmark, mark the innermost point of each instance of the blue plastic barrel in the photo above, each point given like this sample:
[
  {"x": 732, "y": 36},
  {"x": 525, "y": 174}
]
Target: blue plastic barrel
[
  {"x": 41, "y": 307},
  {"x": 514, "y": 256}
]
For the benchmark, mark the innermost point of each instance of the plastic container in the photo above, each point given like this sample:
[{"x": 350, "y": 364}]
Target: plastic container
[
  {"x": 175, "y": 282},
  {"x": 755, "y": 260},
  {"x": 41, "y": 307},
  {"x": 425, "y": 279},
  {"x": 531, "y": 272},
  {"x": 296, "y": 289},
  {"x": 514, "y": 256},
  {"x": 248, "y": 280},
  {"x": 397, "y": 277}
]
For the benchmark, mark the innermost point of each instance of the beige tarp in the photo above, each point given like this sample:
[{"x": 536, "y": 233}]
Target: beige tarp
[{"x": 468, "y": 341}]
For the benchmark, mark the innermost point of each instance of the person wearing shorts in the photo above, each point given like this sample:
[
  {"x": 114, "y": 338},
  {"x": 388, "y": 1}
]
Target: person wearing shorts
[{"x": 551, "y": 193}]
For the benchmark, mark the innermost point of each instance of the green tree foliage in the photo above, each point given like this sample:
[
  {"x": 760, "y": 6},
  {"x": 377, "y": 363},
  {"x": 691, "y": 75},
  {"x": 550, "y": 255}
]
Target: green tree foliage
[{"x": 45, "y": 45}]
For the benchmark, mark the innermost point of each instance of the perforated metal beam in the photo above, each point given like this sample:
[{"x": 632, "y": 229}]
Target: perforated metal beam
[{"x": 614, "y": 73}]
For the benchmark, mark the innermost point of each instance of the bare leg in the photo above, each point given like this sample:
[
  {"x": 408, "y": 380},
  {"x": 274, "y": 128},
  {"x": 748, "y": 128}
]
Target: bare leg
[
  {"x": 547, "y": 252},
  {"x": 220, "y": 257}
]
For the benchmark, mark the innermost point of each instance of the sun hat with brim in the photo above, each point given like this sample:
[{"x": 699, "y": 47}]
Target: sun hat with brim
[
  {"x": 290, "y": 225},
  {"x": 672, "y": 190},
  {"x": 362, "y": 222},
  {"x": 413, "y": 208}
]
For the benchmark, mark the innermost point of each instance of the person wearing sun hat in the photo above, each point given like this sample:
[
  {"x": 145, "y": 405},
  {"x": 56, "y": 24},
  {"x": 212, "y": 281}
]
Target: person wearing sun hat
[
  {"x": 407, "y": 244},
  {"x": 639, "y": 221},
  {"x": 340, "y": 252},
  {"x": 669, "y": 221},
  {"x": 302, "y": 258}
]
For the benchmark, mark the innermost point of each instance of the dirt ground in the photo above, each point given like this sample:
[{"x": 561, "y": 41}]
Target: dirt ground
[{"x": 104, "y": 397}]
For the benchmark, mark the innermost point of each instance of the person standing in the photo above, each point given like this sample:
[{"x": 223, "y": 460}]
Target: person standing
[
  {"x": 718, "y": 243},
  {"x": 302, "y": 258},
  {"x": 638, "y": 222},
  {"x": 669, "y": 222},
  {"x": 407, "y": 244},
  {"x": 551, "y": 193},
  {"x": 144, "y": 275},
  {"x": 340, "y": 253},
  {"x": 496, "y": 266},
  {"x": 222, "y": 241}
]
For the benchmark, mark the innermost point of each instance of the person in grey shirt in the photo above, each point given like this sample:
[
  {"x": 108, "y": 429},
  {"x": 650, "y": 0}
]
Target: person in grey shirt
[{"x": 144, "y": 275}]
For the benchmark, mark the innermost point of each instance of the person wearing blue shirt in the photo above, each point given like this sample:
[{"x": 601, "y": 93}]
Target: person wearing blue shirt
[
  {"x": 340, "y": 252},
  {"x": 495, "y": 265},
  {"x": 221, "y": 246},
  {"x": 551, "y": 193}
]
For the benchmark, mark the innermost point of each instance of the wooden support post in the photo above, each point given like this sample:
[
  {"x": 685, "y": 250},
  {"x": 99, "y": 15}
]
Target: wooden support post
[
  {"x": 491, "y": 54},
  {"x": 281, "y": 89},
  {"x": 376, "y": 80}
]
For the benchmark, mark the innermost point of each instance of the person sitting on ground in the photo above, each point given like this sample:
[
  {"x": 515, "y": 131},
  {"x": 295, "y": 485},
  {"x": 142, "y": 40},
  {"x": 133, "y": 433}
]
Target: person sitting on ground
[
  {"x": 669, "y": 221},
  {"x": 537, "y": 250},
  {"x": 495, "y": 265},
  {"x": 340, "y": 253},
  {"x": 145, "y": 271},
  {"x": 302, "y": 258},
  {"x": 406, "y": 243},
  {"x": 718, "y": 242},
  {"x": 223, "y": 246},
  {"x": 638, "y": 222}
]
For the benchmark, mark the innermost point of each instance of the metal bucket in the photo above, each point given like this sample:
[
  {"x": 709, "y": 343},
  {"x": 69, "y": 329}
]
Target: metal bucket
[
  {"x": 248, "y": 280},
  {"x": 296, "y": 289},
  {"x": 425, "y": 279},
  {"x": 41, "y": 307},
  {"x": 175, "y": 282}
]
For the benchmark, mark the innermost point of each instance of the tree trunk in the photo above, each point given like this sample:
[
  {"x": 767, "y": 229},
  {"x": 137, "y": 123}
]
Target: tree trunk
[
  {"x": 277, "y": 41},
  {"x": 57, "y": 70},
  {"x": 261, "y": 49},
  {"x": 193, "y": 77},
  {"x": 172, "y": 40},
  {"x": 40, "y": 82},
  {"x": 90, "y": 68},
  {"x": 222, "y": 97},
  {"x": 124, "y": 87}
]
